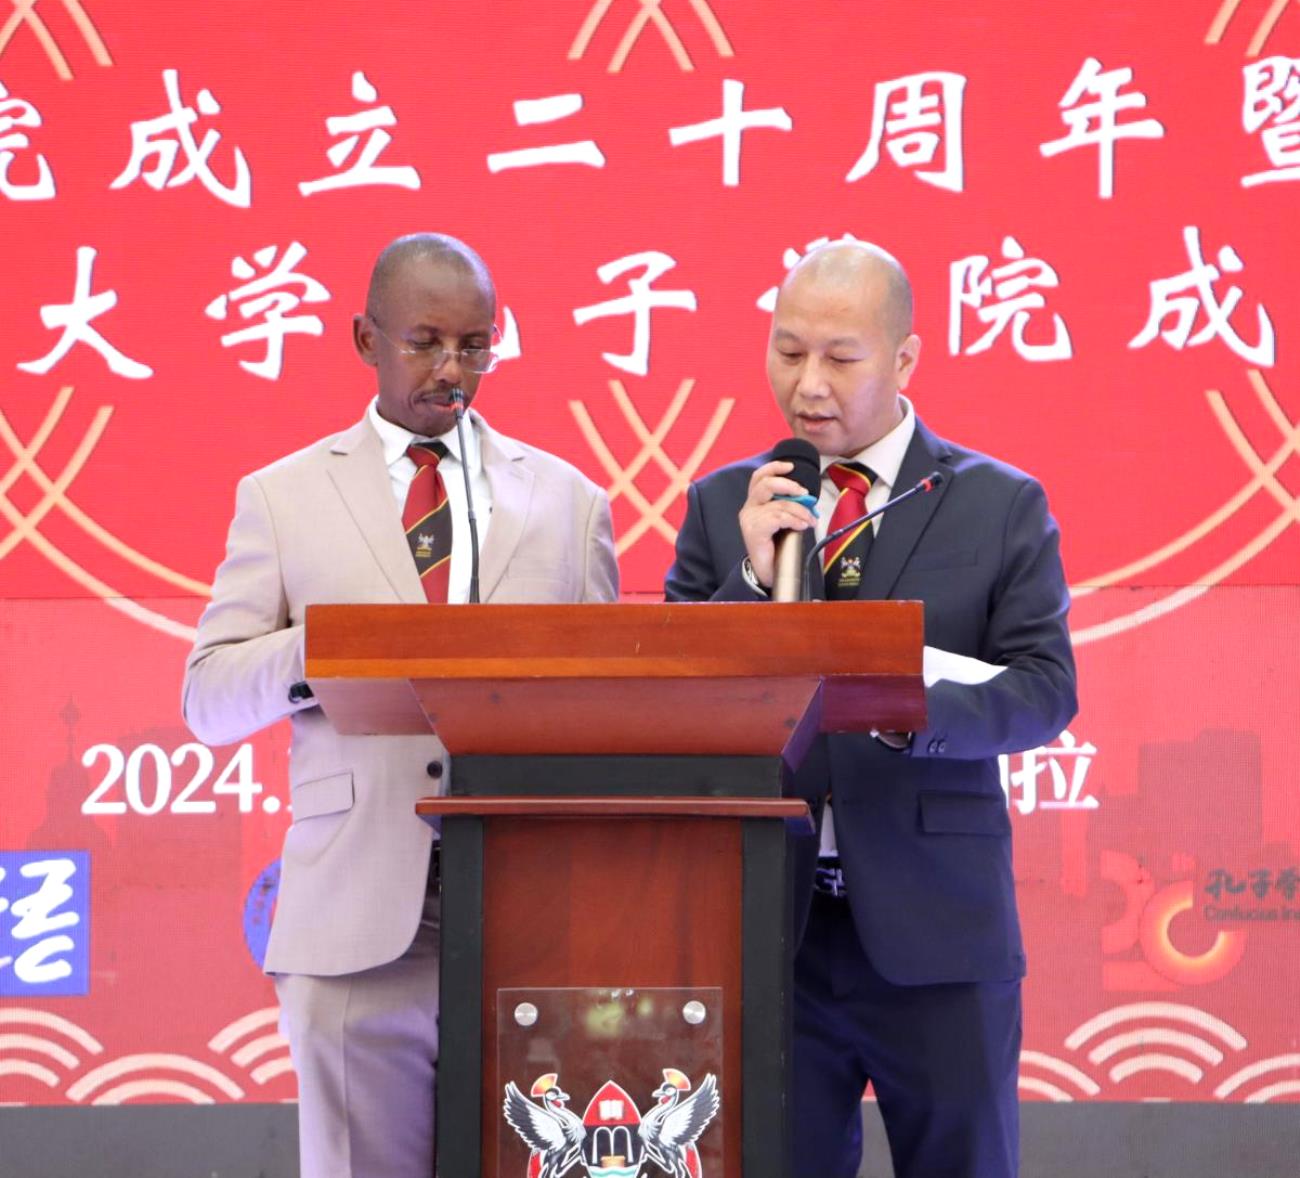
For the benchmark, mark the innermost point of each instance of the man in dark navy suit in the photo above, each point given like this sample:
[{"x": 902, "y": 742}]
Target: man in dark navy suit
[{"x": 910, "y": 959}]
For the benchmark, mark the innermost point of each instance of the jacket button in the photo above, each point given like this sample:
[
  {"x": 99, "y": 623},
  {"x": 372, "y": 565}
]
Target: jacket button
[
  {"x": 943, "y": 744},
  {"x": 933, "y": 746},
  {"x": 434, "y": 769}
]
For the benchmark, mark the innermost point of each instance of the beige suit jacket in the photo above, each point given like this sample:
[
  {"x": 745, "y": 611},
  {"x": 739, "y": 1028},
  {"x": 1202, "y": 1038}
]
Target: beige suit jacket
[{"x": 322, "y": 526}]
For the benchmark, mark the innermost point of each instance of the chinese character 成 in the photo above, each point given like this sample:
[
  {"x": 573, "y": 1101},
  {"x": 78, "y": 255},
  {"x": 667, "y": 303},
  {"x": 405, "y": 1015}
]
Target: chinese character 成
[
  {"x": 169, "y": 135},
  {"x": 1183, "y": 296}
]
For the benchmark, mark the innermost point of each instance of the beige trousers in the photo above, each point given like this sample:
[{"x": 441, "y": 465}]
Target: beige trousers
[{"x": 365, "y": 1047}]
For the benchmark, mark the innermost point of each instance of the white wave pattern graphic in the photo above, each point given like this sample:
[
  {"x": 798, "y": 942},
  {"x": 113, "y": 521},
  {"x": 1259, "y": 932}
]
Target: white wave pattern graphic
[
  {"x": 255, "y": 1047},
  {"x": 1060, "y": 1071},
  {"x": 1256, "y": 1071},
  {"x": 44, "y": 1047},
  {"x": 91, "y": 1086},
  {"x": 57, "y": 1054},
  {"x": 1164, "y": 1040},
  {"x": 1205, "y": 1043}
]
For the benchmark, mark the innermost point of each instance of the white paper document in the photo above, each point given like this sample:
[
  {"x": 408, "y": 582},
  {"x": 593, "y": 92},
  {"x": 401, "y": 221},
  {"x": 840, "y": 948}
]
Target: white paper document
[{"x": 939, "y": 664}]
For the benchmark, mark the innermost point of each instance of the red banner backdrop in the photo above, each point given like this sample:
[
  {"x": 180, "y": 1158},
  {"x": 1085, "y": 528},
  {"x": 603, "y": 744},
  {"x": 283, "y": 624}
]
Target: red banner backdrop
[{"x": 1097, "y": 204}]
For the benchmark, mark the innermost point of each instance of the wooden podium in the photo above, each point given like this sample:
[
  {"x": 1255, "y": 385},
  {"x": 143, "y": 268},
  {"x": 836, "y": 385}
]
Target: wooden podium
[{"x": 615, "y": 908}]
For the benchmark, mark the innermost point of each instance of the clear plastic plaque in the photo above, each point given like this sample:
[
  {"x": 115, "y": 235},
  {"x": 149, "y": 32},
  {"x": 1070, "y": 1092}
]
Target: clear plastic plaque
[{"x": 610, "y": 1083}]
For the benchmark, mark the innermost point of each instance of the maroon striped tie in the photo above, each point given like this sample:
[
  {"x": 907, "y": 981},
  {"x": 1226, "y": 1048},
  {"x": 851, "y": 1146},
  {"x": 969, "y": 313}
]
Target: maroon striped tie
[
  {"x": 427, "y": 519},
  {"x": 842, "y": 560}
]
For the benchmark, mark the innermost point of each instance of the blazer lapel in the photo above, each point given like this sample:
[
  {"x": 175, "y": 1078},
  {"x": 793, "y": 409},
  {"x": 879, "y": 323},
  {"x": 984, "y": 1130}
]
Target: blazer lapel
[
  {"x": 512, "y": 493},
  {"x": 901, "y": 527},
  {"x": 358, "y": 471}
]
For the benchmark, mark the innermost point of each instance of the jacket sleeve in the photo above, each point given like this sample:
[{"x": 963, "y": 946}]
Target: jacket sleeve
[
  {"x": 600, "y": 580},
  {"x": 1027, "y": 632},
  {"x": 699, "y": 572},
  {"x": 246, "y": 655}
]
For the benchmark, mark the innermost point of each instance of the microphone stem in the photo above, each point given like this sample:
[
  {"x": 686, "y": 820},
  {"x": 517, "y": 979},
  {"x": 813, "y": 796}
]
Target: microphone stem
[{"x": 458, "y": 398}]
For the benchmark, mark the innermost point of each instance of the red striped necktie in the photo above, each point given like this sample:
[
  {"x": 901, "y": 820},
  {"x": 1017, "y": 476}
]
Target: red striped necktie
[
  {"x": 843, "y": 560},
  {"x": 427, "y": 519}
]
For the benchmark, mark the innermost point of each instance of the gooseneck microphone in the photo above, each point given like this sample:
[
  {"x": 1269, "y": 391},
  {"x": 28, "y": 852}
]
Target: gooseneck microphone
[
  {"x": 927, "y": 484},
  {"x": 458, "y": 402},
  {"x": 807, "y": 473}
]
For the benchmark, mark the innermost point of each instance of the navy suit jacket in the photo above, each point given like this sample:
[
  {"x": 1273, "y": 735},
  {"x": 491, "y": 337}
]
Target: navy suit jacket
[{"x": 924, "y": 835}]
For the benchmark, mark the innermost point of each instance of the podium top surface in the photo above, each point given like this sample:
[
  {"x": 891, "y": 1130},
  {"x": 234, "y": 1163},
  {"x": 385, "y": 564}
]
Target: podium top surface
[{"x": 707, "y": 678}]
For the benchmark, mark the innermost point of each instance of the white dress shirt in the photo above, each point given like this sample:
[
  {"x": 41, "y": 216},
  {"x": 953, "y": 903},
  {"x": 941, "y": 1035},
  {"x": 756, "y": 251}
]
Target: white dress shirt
[
  {"x": 401, "y": 470},
  {"x": 884, "y": 457}
]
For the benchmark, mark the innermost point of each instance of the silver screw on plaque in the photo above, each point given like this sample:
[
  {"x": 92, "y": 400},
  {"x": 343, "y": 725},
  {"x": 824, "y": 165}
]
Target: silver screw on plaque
[
  {"x": 525, "y": 1014},
  {"x": 693, "y": 1013}
]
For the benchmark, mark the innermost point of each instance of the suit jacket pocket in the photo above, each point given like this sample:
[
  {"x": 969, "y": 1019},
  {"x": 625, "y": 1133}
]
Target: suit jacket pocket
[
  {"x": 955, "y": 813},
  {"x": 323, "y": 795}
]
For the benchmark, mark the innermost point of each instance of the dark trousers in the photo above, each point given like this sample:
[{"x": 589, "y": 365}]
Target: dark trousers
[{"x": 943, "y": 1061}]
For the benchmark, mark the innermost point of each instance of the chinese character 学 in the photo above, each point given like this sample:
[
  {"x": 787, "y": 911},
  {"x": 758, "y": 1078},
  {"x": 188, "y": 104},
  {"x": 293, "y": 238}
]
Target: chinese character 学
[{"x": 266, "y": 297}]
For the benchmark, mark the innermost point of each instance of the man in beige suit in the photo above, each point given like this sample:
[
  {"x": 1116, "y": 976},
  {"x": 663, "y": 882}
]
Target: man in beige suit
[{"x": 354, "y": 942}]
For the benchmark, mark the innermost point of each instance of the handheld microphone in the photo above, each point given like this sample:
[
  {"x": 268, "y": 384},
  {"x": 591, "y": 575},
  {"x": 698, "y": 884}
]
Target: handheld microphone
[
  {"x": 927, "y": 484},
  {"x": 458, "y": 402},
  {"x": 807, "y": 473}
]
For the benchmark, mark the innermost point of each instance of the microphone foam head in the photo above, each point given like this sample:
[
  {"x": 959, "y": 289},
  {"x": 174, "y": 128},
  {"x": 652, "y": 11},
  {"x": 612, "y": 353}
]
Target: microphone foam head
[{"x": 807, "y": 463}]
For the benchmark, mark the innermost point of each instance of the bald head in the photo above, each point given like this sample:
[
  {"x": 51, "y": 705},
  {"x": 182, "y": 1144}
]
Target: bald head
[
  {"x": 438, "y": 249},
  {"x": 842, "y": 347},
  {"x": 862, "y": 273}
]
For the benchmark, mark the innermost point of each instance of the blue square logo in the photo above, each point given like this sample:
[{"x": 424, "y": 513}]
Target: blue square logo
[{"x": 44, "y": 923}]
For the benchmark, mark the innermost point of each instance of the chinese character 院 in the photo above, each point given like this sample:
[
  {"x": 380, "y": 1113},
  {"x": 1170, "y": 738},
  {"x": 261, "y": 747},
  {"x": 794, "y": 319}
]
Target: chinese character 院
[
  {"x": 1005, "y": 297},
  {"x": 44, "y": 922},
  {"x": 639, "y": 303},
  {"x": 15, "y": 113},
  {"x": 75, "y": 319},
  {"x": 363, "y": 170},
  {"x": 1097, "y": 123},
  {"x": 170, "y": 135},
  {"x": 1185, "y": 295},
  {"x": 260, "y": 296},
  {"x": 913, "y": 118},
  {"x": 1271, "y": 105},
  {"x": 729, "y": 126},
  {"x": 529, "y": 111},
  {"x": 1067, "y": 791}
]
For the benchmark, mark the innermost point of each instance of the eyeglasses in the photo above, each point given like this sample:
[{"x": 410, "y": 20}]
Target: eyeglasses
[{"x": 478, "y": 360}]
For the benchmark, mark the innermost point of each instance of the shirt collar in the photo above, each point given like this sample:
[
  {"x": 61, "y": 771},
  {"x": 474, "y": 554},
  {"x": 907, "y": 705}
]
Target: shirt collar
[
  {"x": 395, "y": 438},
  {"x": 885, "y": 455}
]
